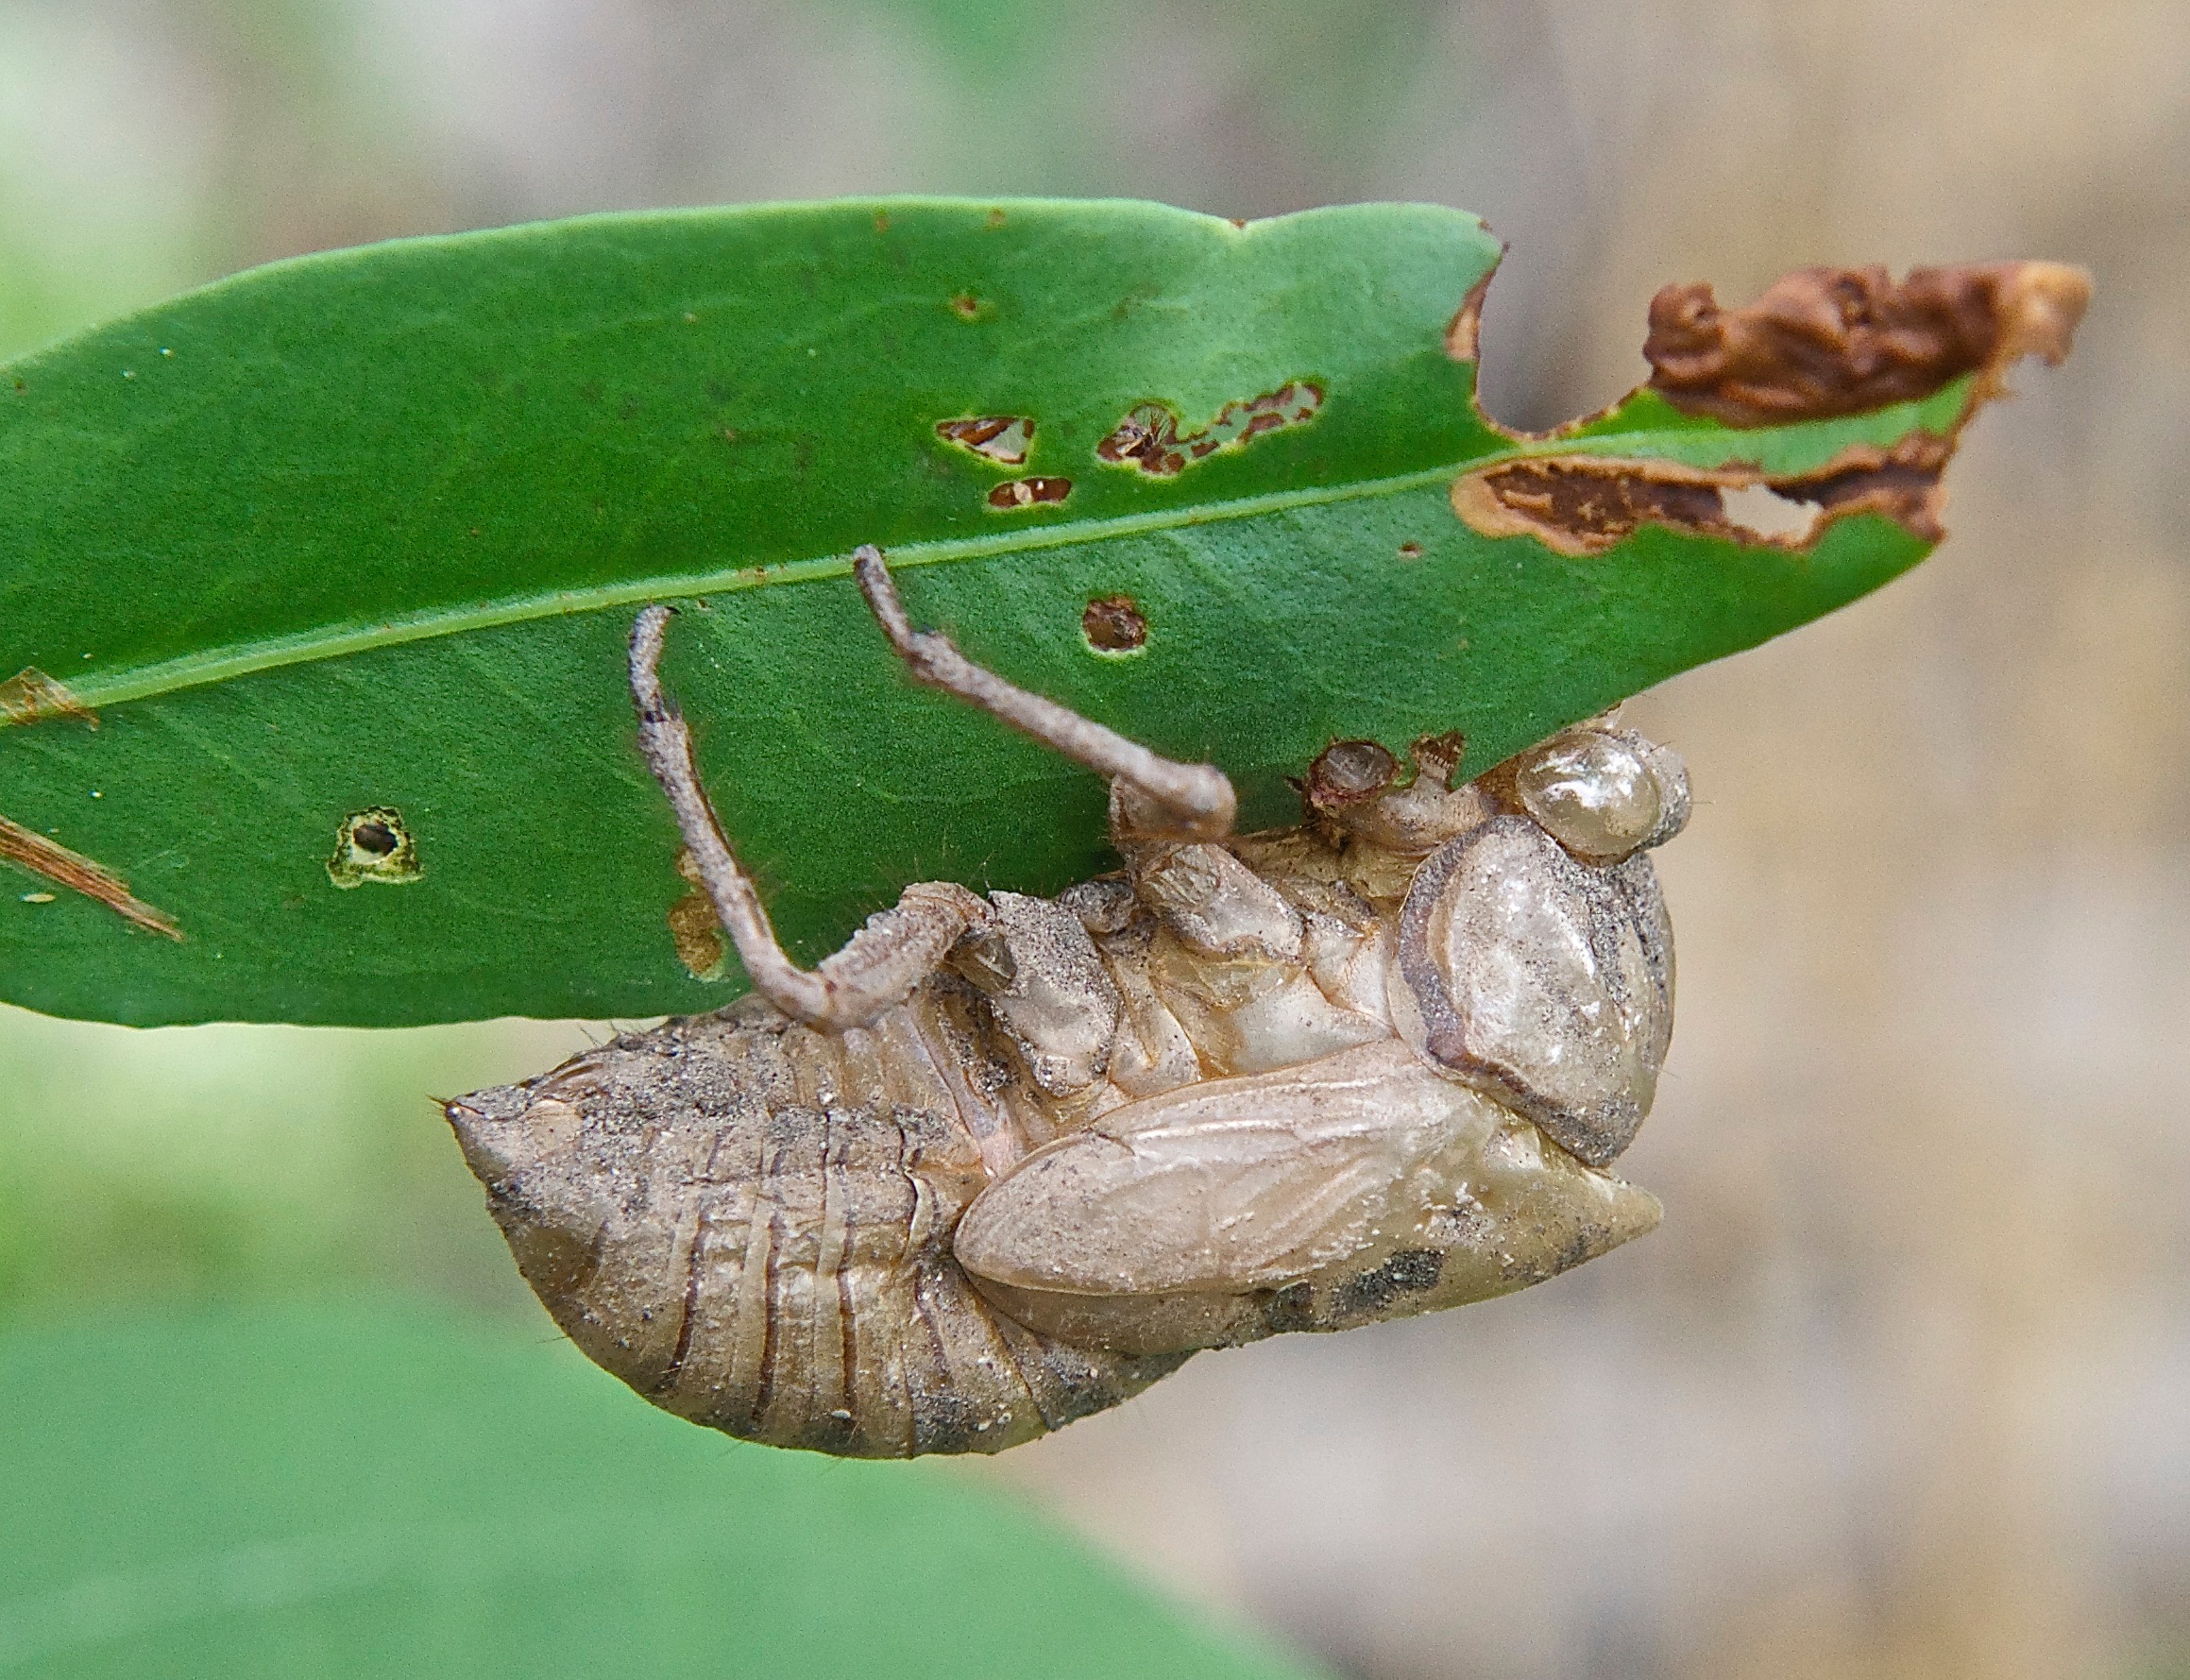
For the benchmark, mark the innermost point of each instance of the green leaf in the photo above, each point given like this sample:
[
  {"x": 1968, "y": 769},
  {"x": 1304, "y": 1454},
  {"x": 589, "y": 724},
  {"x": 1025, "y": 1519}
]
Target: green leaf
[
  {"x": 364, "y": 531},
  {"x": 338, "y": 1491}
]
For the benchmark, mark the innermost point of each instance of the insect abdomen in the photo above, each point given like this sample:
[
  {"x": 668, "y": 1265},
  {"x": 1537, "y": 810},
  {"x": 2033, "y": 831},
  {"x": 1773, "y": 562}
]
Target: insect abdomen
[{"x": 775, "y": 1270}]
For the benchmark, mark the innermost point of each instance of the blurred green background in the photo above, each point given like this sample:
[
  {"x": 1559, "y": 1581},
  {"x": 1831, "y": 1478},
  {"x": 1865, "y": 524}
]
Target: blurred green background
[{"x": 1901, "y": 1388}]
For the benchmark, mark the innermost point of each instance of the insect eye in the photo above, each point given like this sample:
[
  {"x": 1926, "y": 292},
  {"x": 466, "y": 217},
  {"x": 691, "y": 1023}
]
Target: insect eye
[{"x": 1593, "y": 793}]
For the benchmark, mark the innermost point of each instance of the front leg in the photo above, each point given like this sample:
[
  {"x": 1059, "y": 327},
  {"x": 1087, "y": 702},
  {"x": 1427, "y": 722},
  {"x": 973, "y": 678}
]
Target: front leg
[{"x": 879, "y": 966}]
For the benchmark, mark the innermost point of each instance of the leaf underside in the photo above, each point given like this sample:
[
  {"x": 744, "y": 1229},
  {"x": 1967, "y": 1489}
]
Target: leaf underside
[{"x": 366, "y": 531}]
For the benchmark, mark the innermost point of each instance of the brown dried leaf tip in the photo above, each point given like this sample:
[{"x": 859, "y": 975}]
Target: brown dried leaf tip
[
  {"x": 30, "y": 694},
  {"x": 374, "y": 845},
  {"x": 1001, "y": 438},
  {"x": 1822, "y": 342},
  {"x": 1029, "y": 492},
  {"x": 58, "y": 864},
  {"x": 1148, "y": 438},
  {"x": 1112, "y": 625},
  {"x": 1837, "y": 341}
]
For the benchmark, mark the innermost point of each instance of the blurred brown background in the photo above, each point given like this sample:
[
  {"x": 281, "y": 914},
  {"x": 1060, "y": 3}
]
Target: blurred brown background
[{"x": 1901, "y": 1388}]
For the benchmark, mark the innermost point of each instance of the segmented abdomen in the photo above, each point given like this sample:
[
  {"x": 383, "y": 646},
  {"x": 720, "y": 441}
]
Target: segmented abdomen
[{"x": 749, "y": 1226}]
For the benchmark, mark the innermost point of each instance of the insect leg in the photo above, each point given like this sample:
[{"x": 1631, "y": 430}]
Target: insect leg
[
  {"x": 878, "y": 967},
  {"x": 1186, "y": 800}
]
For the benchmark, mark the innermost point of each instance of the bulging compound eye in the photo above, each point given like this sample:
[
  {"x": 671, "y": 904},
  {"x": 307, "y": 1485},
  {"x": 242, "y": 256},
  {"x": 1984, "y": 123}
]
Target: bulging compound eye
[
  {"x": 1595, "y": 794},
  {"x": 1543, "y": 980}
]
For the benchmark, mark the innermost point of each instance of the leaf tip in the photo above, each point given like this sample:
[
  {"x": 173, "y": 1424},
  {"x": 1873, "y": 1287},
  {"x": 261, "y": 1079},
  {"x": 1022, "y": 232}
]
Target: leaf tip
[{"x": 1820, "y": 343}]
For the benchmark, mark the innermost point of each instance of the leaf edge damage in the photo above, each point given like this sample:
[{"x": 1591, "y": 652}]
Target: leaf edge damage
[{"x": 1819, "y": 344}]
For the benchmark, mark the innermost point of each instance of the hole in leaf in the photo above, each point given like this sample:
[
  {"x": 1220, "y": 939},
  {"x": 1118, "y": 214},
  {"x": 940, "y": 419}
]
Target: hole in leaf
[
  {"x": 374, "y": 845},
  {"x": 1001, "y": 438},
  {"x": 1762, "y": 511},
  {"x": 1150, "y": 439},
  {"x": 1028, "y": 492},
  {"x": 1112, "y": 625}
]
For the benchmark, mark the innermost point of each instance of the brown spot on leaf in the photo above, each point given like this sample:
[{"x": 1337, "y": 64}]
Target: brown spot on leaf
[
  {"x": 64, "y": 867},
  {"x": 995, "y": 218},
  {"x": 1901, "y": 482},
  {"x": 1112, "y": 625},
  {"x": 1001, "y": 438},
  {"x": 30, "y": 694},
  {"x": 1028, "y": 492},
  {"x": 1579, "y": 504},
  {"x": 693, "y": 927},
  {"x": 374, "y": 845},
  {"x": 1837, "y": 341},
  {"x": 1586, "y": 504},
  {"x": 1410, "y": 550},
  {"x": 881, "y": 221},
  {"x": 967, "y": 307},
  {"x": 1150, "y": 439}
]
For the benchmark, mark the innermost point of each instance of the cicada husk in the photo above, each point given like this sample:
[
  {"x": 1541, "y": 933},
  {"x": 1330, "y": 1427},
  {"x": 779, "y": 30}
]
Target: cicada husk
[{"x": 1301, "y": 1080}]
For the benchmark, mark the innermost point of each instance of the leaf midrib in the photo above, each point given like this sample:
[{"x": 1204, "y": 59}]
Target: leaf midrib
[{"x": 195, "y": 670}]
